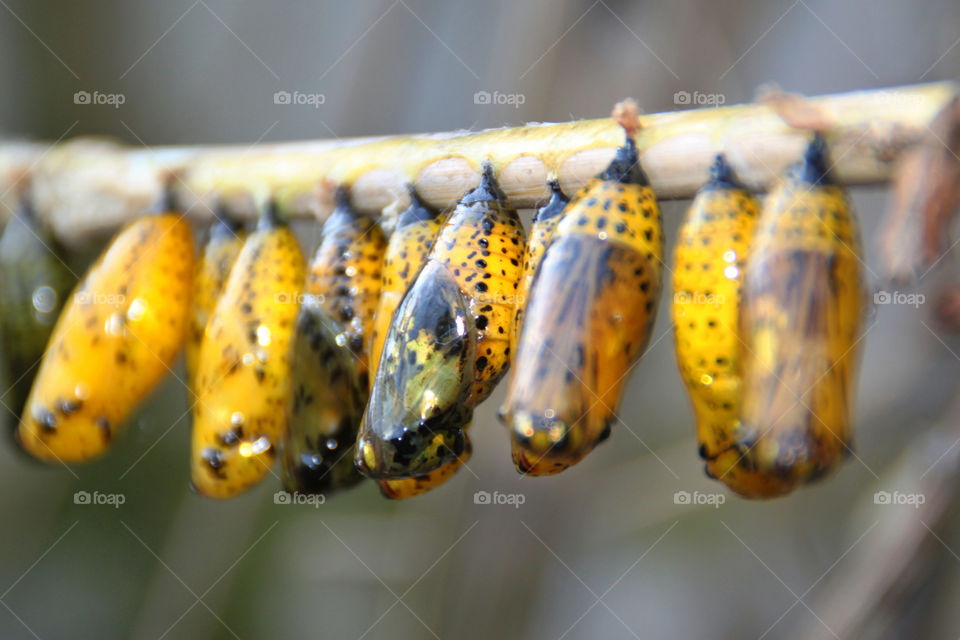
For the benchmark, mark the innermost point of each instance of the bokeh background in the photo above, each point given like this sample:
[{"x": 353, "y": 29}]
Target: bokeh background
[{"x": 600, "y": 551}]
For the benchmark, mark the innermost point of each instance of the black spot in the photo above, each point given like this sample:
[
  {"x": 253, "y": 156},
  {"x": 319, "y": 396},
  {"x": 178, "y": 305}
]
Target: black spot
[
  {"x": 66, "y": 407},
  {"x": 46, "y": 419},
  {"x": 481, "y": 322},
  {"x": 214, "y": 460},
  {"x": 104, "y": 425},
  {"x": 481, "y": 363}
]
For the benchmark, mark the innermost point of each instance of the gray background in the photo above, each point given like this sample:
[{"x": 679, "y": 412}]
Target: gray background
[{"x": 169, "y": 562}]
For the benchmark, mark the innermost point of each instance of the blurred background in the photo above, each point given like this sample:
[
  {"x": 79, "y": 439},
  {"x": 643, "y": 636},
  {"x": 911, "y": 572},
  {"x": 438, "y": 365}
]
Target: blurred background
[{"x": 601, "y": 551}]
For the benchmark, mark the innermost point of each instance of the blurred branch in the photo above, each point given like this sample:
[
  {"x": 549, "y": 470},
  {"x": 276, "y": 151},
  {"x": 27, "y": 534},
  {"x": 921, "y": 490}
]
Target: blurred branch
[
  {"x": 926, "y": 198},
  {"x": 887, "y": 580},
  {"x": 89, "y": 186}
]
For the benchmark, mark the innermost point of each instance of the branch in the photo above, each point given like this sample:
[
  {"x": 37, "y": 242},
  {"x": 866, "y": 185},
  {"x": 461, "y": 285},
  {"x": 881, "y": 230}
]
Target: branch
[{"x": 90, "y": 186}]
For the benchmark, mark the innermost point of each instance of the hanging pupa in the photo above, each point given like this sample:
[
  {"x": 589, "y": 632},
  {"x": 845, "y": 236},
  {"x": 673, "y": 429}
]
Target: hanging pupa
[
  {"x": 588, "y": 317},
  {"x": 243, "y": 375},
  {"x": 801, "y": 321},
  {"x": 116, "y": 339},
  {"x": 712, "y": 248}
]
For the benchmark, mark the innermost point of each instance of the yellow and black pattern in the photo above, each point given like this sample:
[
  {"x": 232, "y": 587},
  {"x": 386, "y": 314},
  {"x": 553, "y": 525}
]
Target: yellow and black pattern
[
  {"x": 404, "y": 488},
  {"x": 414, "y": 420},
  {"x": 244, "y": 371},
  {"x": 803, "y": 303},
  {"x": 223, "y": 245},
  {"x": 711, "y": 258},
  {"x": 449, "y": 343},
  {"x": 324, "y": 408},
  {"x": 410, "y": 244},
  {"x": 588, "y": 319},
  {"x": 541, "y": 232},
  {"x": 35, "y": 282},
  {"x": 482, "y": 246},
  {"x": 117, "y": 337},
  {"x": 345, "y": 274}
]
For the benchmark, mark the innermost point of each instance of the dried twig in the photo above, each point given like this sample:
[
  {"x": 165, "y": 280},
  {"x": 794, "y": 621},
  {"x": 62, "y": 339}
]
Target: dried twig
[{"x": 87, "y": 186}]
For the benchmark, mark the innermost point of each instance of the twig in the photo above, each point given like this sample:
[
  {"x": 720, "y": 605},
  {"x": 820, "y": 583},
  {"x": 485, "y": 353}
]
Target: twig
[{"x": 86, "y": 186}]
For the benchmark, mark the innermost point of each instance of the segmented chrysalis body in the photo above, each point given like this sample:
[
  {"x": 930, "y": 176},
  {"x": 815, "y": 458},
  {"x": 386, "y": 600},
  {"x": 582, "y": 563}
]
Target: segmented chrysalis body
[
  {"x": 588, "y": 319},
  {"x": 324, "y": 409},
  {"x": 410, "y": 244},
  {"x": 35, "y": 281},
  {"x": 711, "y": 256},
  {"x": 345, "y": 275},
  {"x": 449, "y": 343},
  {"x": 117, "y": 337},
  {"x": 403, "y": 488},
  {"x": 224, "y": 242},
  {"x": 544, "y": 222},
  {"x": 801, "y": 317},
  {"x": 243, "y": 375}
]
